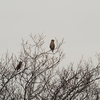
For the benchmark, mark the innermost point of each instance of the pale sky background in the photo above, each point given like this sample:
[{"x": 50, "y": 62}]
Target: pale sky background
[{"x": 77, "y": 21}]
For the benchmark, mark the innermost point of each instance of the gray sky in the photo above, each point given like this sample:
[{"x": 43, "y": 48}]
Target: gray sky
[{"x": 77, "y": 21}]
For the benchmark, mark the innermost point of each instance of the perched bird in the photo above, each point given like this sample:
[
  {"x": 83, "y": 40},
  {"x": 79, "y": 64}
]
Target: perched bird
[
  {"x": 52, "y": 45},
  {"x": 19, "y": 65},
  {"x": 51, "y": 87}
]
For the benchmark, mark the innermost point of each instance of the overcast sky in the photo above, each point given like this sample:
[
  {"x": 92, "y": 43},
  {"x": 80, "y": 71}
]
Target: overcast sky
[{"x": 77, "y": 21}]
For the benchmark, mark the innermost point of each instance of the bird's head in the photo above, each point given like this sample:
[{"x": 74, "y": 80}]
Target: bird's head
[
  {"x": 52, "y": 40},
  {"x": 20, "y": 62}
]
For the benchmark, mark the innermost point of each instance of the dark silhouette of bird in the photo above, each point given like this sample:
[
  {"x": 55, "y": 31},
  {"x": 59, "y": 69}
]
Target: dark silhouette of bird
[
  {"x": 19, "y": 65},
  {"x": 52, "y": 45}
]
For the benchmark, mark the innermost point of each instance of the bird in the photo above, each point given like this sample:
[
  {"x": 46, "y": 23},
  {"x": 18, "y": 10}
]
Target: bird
[
  {"x": 51, "y": 87},
  {"x": 52, "y": 45},
  {"x": 19, "y": 65}
]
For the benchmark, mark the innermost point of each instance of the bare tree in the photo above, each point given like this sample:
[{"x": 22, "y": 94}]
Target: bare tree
[{"x": 38, "y": 77}]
